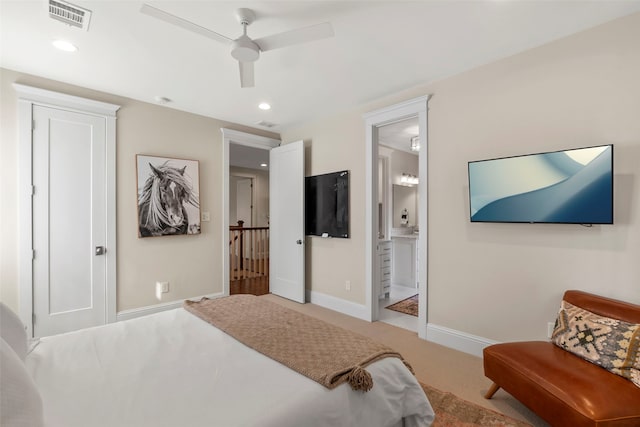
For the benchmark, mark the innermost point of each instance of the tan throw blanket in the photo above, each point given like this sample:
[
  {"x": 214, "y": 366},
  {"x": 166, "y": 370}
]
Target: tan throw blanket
[{"x": 323, "y": 352}]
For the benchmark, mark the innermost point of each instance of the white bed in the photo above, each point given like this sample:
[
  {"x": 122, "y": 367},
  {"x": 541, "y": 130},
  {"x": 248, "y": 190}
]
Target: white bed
[{"x": 174, "y": 369}]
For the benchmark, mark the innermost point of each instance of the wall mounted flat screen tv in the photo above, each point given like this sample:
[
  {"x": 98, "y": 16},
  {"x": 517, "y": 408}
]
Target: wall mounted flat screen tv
[
  {"x": 568, "y": 187},
  {"x": 327, "y": 205}
]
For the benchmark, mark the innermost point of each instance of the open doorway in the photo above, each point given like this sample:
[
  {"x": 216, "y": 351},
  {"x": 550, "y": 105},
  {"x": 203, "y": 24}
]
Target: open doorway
[
  {"x": 375, "y": 249},
  {"x": 398, "y": 202},
  {"x": 248, "y": 220},
  {"x": 245, "y": 242}
]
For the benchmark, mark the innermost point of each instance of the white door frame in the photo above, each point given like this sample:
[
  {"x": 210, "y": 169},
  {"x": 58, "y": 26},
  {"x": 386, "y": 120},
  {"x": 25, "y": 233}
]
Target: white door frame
[
  {"x": 230, "y": 136},
  {"x": 416, "y": 107},
  {"x": 386, "y": 196},
  {"x": 28, "y": 97}
]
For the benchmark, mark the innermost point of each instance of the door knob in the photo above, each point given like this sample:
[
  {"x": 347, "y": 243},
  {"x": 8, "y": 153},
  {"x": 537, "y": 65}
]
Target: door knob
[
  {"x": 299, "y": 241},
  {"x": 100, "y": 250}
]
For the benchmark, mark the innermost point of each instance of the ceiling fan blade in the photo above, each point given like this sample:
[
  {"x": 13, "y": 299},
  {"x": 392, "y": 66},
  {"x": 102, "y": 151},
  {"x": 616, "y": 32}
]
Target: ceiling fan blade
[
  {"x": 246, "y": 74},
  {"x": 183, "y": 23},
  {"x": 301, "y": 35}
]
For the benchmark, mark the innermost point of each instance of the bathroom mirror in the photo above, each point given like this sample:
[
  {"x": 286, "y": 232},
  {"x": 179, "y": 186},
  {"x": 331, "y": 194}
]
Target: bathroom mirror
[{"x": 405, "y": 198}]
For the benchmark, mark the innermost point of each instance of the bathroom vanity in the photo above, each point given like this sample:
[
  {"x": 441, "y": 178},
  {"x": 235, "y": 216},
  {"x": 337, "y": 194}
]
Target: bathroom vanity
[{"x": 404, "y": 269}]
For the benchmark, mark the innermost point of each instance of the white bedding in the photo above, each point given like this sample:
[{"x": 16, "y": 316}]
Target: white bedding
[{"x": 173, "y": 369}]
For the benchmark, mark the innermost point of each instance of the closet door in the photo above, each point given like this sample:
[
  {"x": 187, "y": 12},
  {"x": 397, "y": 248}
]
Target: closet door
[{"x": 69, "y": 220}]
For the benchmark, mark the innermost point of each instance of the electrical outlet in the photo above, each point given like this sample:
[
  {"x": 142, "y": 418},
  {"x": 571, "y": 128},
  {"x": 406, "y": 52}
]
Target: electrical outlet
[
  {"x": 347, "y": 285},
  {"x": 161, "y": 288},
  {"x": 206, "y": 216},
  {"x": 550, "y": 327}
]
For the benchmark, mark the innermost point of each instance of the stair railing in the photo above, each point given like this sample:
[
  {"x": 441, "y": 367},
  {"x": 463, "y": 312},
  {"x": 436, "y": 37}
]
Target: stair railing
[{"x": 248, "y": 251}]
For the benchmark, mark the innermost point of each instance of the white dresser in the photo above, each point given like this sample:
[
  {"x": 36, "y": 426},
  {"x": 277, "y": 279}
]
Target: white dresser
[{"x": 384, "y": 254}]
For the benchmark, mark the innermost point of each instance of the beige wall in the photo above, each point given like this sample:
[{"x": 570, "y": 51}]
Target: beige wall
[
  {"x": 504, "y": 281},
  {"x": 192, "y": 264},
  {"x": 337, "y": 145},
  {"x": 499, "y": 281}
]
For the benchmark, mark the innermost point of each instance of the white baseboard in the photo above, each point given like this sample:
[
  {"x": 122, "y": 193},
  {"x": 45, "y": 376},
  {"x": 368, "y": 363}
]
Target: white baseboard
[
  {"x": 337, "y": 304},
  {"x": 457, "y": 340},
  {"x": 157, "y": 308}
]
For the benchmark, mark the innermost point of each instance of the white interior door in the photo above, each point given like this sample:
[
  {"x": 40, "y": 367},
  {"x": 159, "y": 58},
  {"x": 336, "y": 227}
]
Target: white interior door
[
  {"x": 286, "y": 210},
  {"x": 69, "y": 220},
  {"x": 244, "y": 201}
]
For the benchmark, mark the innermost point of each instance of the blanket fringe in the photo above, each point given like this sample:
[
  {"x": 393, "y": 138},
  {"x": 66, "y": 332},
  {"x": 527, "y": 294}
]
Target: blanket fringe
[{"x": 360, "y": 379}]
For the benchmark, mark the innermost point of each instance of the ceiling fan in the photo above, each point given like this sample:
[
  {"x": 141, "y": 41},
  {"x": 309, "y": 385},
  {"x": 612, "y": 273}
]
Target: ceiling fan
[{"x": 244, "y": 49}]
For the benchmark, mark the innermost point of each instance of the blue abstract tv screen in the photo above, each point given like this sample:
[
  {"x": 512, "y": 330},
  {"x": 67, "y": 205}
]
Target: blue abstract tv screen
[{"x": 568, "y": 187}]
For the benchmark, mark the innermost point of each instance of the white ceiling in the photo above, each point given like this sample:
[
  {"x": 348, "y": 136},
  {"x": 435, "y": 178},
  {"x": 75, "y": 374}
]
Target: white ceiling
[{"x": 379, "y": 48}]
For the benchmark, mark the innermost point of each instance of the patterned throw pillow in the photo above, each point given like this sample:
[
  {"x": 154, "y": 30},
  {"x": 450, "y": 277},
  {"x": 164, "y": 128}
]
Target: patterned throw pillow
[{"x": 610, "y": 343}]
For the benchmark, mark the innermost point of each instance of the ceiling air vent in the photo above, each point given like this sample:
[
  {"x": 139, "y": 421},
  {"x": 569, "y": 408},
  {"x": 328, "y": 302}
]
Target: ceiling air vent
[
  {"x": 70, "y": 14},
  {"x": 266, "y": 124}
]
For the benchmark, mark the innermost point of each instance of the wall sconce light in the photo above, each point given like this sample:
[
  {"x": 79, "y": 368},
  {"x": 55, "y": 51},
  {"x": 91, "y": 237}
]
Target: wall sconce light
[
  {"x": 409, "y": 180},
  {"x": 415, "y": 143}
]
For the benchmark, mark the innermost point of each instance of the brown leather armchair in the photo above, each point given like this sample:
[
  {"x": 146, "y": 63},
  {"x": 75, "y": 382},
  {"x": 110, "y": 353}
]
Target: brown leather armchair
[{"x": 562, "y": 388}]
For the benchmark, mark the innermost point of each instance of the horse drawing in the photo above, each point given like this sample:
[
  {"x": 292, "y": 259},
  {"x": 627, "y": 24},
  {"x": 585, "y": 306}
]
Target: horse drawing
[{"x": 161, "y": 202}]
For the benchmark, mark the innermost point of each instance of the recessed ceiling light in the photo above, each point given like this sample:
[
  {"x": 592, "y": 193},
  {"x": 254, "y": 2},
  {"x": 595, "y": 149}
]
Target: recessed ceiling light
[
  {"x": 65, "y": 45},
  {"x": 264, "y": 106},
  {"x": 264, "y": 165}
]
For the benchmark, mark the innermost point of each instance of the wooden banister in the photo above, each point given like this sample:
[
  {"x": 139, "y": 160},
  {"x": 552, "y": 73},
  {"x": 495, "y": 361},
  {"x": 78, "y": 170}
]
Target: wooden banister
[{"x": 248, "y": 251}]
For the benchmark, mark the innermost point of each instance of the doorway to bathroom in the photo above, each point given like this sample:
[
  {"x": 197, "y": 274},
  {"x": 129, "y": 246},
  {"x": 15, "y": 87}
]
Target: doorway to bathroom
[
  {"x": 379, "y": 218},
  {"x": 398, "y": 206}
]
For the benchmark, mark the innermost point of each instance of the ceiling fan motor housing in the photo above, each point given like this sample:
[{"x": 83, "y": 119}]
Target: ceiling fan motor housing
[{"x": 244, "y": 49}]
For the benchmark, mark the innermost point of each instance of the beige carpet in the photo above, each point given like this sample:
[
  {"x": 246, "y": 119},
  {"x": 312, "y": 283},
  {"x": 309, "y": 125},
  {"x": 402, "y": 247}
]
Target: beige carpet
[
  {"x": 451, "y": 411},
  {"x": 406, "y": 306}
]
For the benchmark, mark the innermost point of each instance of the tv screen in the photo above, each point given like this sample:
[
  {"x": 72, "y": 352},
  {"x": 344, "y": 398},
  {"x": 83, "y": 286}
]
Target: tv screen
[
  {"x": 327, "y": 205},
  {"x": 569, "y": 187}
]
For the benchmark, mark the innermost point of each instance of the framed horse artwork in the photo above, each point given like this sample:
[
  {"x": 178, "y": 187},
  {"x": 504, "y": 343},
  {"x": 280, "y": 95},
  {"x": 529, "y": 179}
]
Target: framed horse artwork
[{"x": 168, "y": 196}]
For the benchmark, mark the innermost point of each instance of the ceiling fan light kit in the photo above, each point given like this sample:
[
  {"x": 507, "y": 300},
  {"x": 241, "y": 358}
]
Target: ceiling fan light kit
[{"x": 244, "y": 49}]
